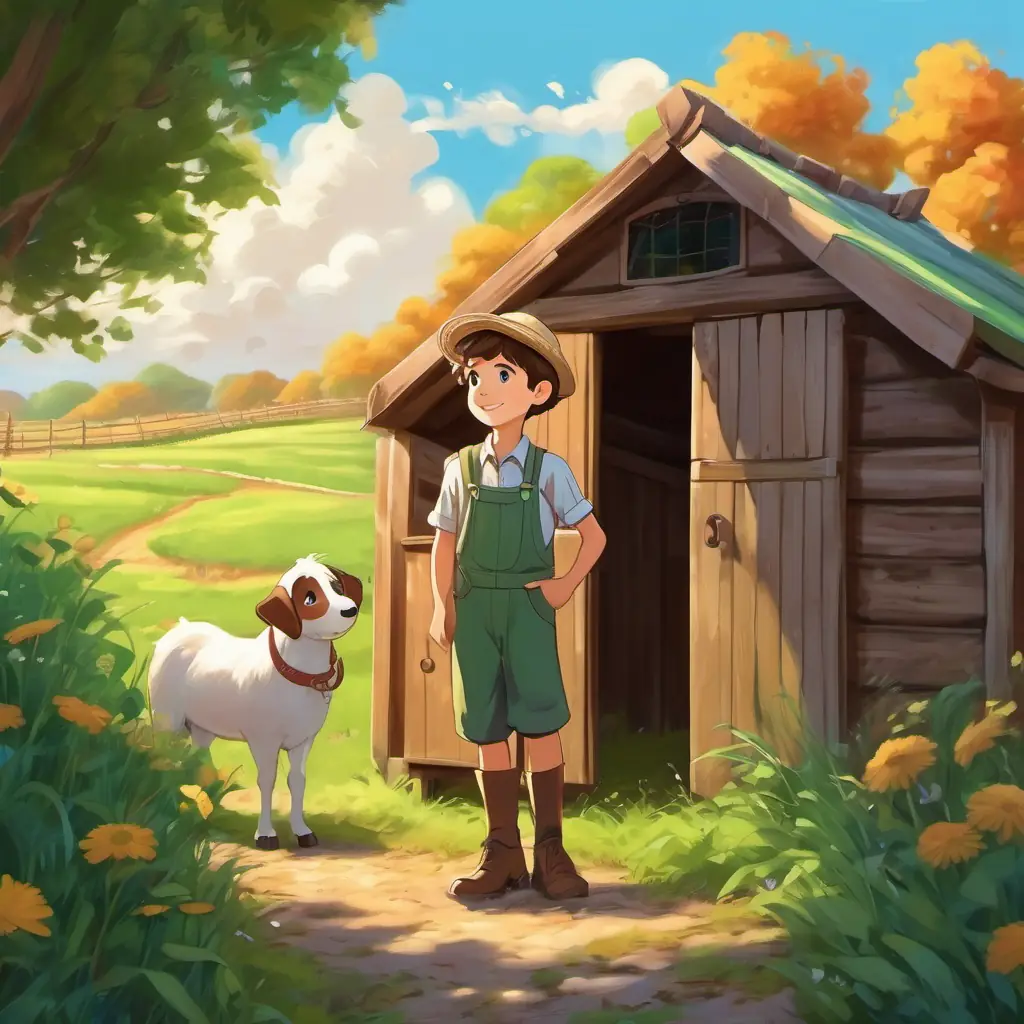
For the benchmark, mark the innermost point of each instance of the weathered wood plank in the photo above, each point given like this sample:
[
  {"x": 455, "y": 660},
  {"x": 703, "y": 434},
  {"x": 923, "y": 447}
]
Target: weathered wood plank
[
  {"x": 815, "y": 377},
  {"x": 791, "y": 598},
  {"x": 765, "y": 469},
  {"x": 915, "y": 593},
  {"x": 744, "y": 609},
  {"x": 997, "y": 463},
  {"x": 728, "y": 387},
  {"x": 794, "y": 386},
  {"x": 915, "y": 656},
  {"x": 916, "y": 474},
  {"x": 770, "y": 363},
  {"x": 897, "y": 412},
  {"x": 768, "y": 633},
  {"x": 688, "y": 301},
  {"x": 815, "y": 615},
  {"x": 416, "y": 647},
  {"x": 874, "y": 359},
  {"x": 640, "y": 465},
  {"x": 707, "y": 428},
  {"x": 767, "y": 250},
  {"x": 748, "y": 444},
  {"x": 948, "y": 533},
  {"x": 726, "y": 627},
  {"x": 384, "y": 681}
]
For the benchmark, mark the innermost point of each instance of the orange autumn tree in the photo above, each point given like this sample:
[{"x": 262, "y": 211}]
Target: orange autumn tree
[
  {"x": 303, "y": 387},
  {"x": 241, "y": 391},
  {"x": 804, "y": 99},
  {"x": 963, "y": 137},
  {"x": 548, "y": 187},
  {"x": 117, "y": 400}
]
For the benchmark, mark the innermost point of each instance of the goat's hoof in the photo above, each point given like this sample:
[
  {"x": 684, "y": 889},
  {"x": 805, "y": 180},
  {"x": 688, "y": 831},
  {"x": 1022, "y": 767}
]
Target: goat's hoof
[
  {"x": 268, "y": 843},
  {"x": 308, "y": 840}
]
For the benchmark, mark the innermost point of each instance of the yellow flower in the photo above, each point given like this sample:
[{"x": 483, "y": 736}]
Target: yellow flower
[
  {"x": 29, "y": 630},
  {"x": 196, "y": 908},
  {"x": 998, "y": 808},
  {"x": 151, "y": 909},
  {"x": 1006, "y": 950},
  {"x": 917, "y": 707},
  {"x": 948, "y": 842},
  {"x": 23, "y": 907},
  {"x": 90, "y": 717},
  {"x": 897, "y": 763},
  {"x": 10, "y": 717},
  {"x": 978, "y": 737},
  {"x": 202, "y": 800},
  {"x": 106, "y": 842},
  {"x": 1017, "y": 659},
  {"x": 64, "y": 523}
]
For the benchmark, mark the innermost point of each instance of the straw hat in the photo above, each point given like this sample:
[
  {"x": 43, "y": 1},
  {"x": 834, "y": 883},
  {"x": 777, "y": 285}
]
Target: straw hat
[{"x": 521, "y": 327}]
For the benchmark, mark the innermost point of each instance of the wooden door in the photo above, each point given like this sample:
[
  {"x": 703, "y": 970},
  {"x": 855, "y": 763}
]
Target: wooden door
[
  {"x": 766, "y": 599},
  {"x": 571, "y": 431}
]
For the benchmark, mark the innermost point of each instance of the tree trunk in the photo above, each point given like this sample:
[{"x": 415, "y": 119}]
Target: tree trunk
[{"x": 24, "y": 80}]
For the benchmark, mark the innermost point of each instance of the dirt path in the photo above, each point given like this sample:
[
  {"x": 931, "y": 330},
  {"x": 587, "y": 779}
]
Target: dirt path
[
  {"x": 266, "y": 480},
  {"x": 386, "y": 916}
]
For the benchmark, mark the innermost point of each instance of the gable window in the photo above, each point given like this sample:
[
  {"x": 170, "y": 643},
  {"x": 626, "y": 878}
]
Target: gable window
[{"x": 682, "y": 240}]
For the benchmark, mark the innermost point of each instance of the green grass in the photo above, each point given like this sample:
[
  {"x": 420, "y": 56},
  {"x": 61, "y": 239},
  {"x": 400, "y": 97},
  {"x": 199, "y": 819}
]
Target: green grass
[
  {"x": 103, "y": 502},
  {"x": 327, "y": 453},
  {"x": 269, "y": 530}
]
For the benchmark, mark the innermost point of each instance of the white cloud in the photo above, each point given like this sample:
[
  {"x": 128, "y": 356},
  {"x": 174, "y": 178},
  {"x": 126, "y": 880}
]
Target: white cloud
[
  {"x": 558, "y": 89},
  {"x": 449, "y": 86},
  {"x": 620, "y": 90},
  {"x": 350, "y": 239}
]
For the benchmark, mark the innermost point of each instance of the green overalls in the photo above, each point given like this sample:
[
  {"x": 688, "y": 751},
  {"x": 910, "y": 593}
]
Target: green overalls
[{"x": 505, "y": 672}]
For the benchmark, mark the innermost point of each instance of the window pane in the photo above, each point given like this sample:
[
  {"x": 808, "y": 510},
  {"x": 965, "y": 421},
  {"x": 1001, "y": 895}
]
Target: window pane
[{"x": 691, "y": 238}]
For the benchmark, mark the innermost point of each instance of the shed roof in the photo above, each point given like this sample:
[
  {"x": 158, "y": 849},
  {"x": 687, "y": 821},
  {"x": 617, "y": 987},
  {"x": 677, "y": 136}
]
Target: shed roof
[{"x": 941, "y": 295}]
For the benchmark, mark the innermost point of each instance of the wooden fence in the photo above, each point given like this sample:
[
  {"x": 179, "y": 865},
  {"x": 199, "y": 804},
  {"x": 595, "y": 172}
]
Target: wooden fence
[{"x": 18, "y": 436}]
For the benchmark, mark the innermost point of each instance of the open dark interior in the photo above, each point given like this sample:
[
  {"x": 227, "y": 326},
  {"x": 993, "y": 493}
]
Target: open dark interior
[{"x": 643, "y": 618}]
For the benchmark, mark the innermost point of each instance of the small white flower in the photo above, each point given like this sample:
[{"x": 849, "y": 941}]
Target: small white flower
[
  {"x": 817, "y": 974},
  {"x": 275, "y": 924},
  {"x": 677, "y": 778},
  {"x": 248, "y": 938},
  {"x": 3, "y": 593},
  {"x": 16, "y": 656},
  {"x": 39, "y": 661}
]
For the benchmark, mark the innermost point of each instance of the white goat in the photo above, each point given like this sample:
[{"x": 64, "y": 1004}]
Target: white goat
[{"x": 272, "y": 691}]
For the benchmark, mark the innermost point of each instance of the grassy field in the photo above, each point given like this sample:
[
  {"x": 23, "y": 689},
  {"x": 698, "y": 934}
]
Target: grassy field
[{"x": 258, "y": 532}]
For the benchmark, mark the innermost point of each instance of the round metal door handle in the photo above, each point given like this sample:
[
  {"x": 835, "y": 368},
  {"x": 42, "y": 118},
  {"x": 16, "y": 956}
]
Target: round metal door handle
[
  {"x": 427, "y": 665},
  {"x": 713, "y": 530}
]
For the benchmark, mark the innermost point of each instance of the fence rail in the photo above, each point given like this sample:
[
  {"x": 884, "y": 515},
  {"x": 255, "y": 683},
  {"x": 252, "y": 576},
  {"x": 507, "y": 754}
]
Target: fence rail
[{"x": 24, "y": 436}]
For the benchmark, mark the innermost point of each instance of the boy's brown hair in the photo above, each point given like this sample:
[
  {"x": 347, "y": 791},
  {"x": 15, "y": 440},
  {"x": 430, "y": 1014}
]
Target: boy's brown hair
[{"x": 490, "y": 344}]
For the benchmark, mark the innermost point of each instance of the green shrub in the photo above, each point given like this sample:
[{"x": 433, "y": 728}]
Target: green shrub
[
  {"x": 76, "y": 756},
  {"x": 894, "y": 873}
]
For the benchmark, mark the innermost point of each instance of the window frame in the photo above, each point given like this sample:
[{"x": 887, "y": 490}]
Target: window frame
[{"x": 669, "y": 203}]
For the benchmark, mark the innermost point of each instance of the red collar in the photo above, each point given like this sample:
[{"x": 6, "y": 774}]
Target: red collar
[{"x": 320, "y": 681}]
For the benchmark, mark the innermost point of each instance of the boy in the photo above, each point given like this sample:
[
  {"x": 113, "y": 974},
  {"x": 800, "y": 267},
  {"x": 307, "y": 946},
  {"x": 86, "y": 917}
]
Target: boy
[{"x": 495, "y": 591}]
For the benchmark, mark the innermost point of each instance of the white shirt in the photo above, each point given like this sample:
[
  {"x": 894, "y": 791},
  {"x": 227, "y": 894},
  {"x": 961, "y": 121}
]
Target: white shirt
[{"x": 562, "y": 502}]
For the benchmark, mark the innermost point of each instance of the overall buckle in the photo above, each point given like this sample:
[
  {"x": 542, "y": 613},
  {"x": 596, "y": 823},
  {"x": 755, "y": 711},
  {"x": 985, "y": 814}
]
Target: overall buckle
[{"x": 524, "y": 491}]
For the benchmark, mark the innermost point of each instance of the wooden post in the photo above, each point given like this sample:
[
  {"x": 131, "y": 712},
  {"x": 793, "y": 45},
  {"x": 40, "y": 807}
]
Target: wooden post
[
  {"x": 997, "y": 495},
  {"x": 83, "y": 433},
  {"x": 9, "y": 435},
  {"x": 49, "y": 443},
  {"x": 138, "y": 425}
]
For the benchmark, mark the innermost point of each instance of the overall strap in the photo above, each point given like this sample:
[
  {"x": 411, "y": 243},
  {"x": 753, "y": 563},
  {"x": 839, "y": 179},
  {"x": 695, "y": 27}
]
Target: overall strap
[
  {"x": 469, "y": 461},
  {"x": 531, "y": 471}
]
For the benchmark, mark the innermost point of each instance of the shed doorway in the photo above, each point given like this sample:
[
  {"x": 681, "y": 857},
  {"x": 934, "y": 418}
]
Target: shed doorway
[{"x": 643, "y": 577}]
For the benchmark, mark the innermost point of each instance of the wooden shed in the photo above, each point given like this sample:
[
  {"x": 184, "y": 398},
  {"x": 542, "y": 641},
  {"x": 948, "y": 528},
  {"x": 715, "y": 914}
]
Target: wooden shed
[{"x": 797, "y": 417}]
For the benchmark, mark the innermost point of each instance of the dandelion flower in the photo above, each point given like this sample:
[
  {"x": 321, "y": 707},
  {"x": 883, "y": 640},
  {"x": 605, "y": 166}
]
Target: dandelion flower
[
  {"x": 10, "y": 717},
  {"x": 998, "y": 808},
  {"x": 151, "y": 909},
  {"x": 201, "y": 799},
  {"x": 897, "y": 763},
  {"x": 118, "y": 842},
  {"x": 948, "y": 842},
  {"x": 196, "y": 908},
  {"x": 22, "y": 907},
  {"x": 30, "y": 630},
  {"x": 90, "y": 717},
  {"x": 1006, "y": 950},
  {"x": 978, "y": 737}
]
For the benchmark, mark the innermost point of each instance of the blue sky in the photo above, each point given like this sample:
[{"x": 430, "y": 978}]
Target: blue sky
[{"x": 485, "y": 45}]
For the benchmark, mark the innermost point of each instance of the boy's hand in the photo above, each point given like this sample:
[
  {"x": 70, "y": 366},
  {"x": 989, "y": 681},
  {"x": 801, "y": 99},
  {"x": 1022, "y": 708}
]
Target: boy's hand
[
  {"x": 442, "y": 627},
  {"x": 556, "y": 591}
]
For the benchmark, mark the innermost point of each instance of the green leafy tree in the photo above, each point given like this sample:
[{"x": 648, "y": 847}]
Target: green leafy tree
[
  {"x": 125, "y": 124},
  {"x": 548, "y": 187},
  {"x": 175, "y": 391},
  {"x": 57, "y": 400}
]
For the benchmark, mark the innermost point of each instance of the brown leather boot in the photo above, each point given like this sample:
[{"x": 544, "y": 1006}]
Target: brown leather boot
[
  {"x": 503, "y": 865},
  {"x": 554, "y": 874}
]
